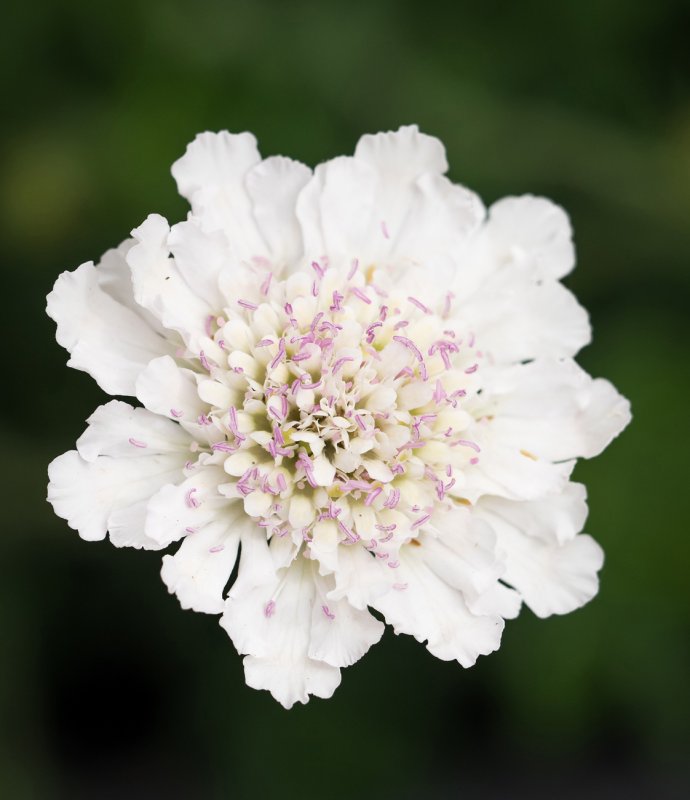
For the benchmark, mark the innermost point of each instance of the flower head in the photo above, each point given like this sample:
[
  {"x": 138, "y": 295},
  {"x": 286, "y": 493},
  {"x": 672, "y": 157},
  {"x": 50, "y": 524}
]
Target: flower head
[{"x": 356, "y": 382}]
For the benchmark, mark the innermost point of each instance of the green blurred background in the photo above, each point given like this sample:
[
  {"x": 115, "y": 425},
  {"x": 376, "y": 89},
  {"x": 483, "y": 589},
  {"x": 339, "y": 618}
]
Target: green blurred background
[{"x": 107, "y": 688}]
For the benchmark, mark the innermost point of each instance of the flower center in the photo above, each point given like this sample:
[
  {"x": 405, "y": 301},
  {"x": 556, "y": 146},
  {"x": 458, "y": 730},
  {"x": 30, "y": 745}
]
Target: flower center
[{"x": 344, "y": 406}]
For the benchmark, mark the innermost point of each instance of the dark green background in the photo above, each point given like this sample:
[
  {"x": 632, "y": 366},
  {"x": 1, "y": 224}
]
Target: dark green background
[{"x": 107, "y": 688}]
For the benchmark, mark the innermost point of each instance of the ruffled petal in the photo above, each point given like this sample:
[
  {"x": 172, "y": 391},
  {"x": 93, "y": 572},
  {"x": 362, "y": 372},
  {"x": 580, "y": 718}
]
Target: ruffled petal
[
  {"x": 423, "y": 605},
  {"x": 170, "y": 391},
  {"x": 390, "y": 201},
  {"x": 160, "y": 287},
  {"x": 104, "y": 335},
  {"x": 553, "y": 409},
  {"x": 340, "y": 633},
  {"x": 125, "y": 455},
  {"x": 273, "y": 187},
  {"x": 516, "y": 320},
  {"x": 201, "y": 568},
  {"x": 553, "y": 577},
  {"x": 272, "y": 625}
]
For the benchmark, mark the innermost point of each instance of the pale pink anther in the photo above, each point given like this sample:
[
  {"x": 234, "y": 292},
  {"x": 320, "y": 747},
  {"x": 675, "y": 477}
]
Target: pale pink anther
[
  {"x": 354, "y": 266},
  {"x": 474, "y": 460},
  {"x": 419, "y": 305},
  {"x": 471, "y": 369},
  {"x": 203, "y": 419},
  {"x": 208, "y": 322},
  {"x": 384, "y": 230},
  {"x": 221, "y": 344},
  {"x": 269, "y": 608},
  {"x": 137, "y": 443},
  {"x": 360, "y": 295},
  {"x": 204, "y": 361},
  {"x": 282, "y": 483},
  {"x": 350, "y": 535},
  {"x": 318, "y": 269},
  {"x": 327, "y": 611},
  {"x": 190, "y": 500},
  {"x": 402, "y": 324},
  {"x": 190, "y": 530},
  {"x": 246, "y": 304},
  {"x": 393, "y": 498},
  {"x": 393, "y": 564},
  {"x": 372, "y": 496},
  {"x": 360, "y": 422},
  {"x": 216, "y": 548},
  {"x": 410, "y": 345},
  {"x": 337, "y": 299},
  {"x": 176, "y": 413},
  {"x": 266, "y": 285},
  {"x": 264, "y": 342},
  {"x": 339, "y": 363},
  {"x": 280, "y": 355},
  {"x": 418, "y": 522},
  {"x": 223, "y": 447},
  {"x": 466, "y": 443}
]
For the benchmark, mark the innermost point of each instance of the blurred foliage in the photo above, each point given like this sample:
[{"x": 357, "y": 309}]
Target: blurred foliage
[{"x": 107, "y": 689}]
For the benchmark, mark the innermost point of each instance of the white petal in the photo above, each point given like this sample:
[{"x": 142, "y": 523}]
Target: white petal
[
  {"x": 552, "y": 578},
  {"x": 273, "y": 186},
  {"x": 215, "y": 160},
  {"x": 324, "y": 471},
  {"x": 556, "y": 518},
  {"x": 176, "y": 509},
  {"x": 340, "y": 633},
  {"x": 118, "y": 430},
  {"x": 200, "y": 257},
  {"x": 358, "y": 578},
  {"x": 277, "y": 637},
  {"x": 553, "y": 409},
  {"x": 170, "y": 391},
  {"x": 516, "y": 318},
  {"x": 402, "y": 155},
  {"x": 105, "y": 486},
  {"x": 429, "y": 609},
  {"x": 201, "y": 568},
  {"x": 160, "y": 287},
  {"x": 105, "y": 338}
]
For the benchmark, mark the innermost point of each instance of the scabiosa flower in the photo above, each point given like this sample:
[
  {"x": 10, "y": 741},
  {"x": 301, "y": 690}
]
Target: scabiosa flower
[{"x": 354, "y": 382}]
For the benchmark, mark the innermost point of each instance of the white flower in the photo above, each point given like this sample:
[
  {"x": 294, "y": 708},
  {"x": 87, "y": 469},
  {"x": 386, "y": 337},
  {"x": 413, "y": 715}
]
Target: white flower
[{"x": 356, "y": 381}]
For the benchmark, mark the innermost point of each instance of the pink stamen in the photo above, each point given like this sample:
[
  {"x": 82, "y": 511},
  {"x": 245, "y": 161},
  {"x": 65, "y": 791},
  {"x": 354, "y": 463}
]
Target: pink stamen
[
  {"x": 353, "y": 268},
  {"x": 410, "y": 345},
  {"x": 264, "y": 342},
  {"x": 190, "y": 500},
  {"x": 474, "y": 460},
  {"x": 384, "y": 230},
  {"x": 466, "y": 443},
  {"x": 419, "y": 305},
  {"x": 337, "y": 297},
  {"x": 318, "y": 268},
  {"x": 360, "y": 422},
  {"x": 216, "y": 548},
  {"x": 393, "y": 499},
  {"x": 402, "y": 324},
  {"x": 247, "y": 304},
  {"x": 137, "y": 443},
  {"x": 372, "y": 496},
  {"x": 191, "y": 530},
  {"x": 204, "y": 361},
  {"x": 280, "y": 354},
  {"x": 420, "y": 521},
  {"x": 223, "y": 447},
  {"x": 207, "y": 325},
  {"x": 327, "y": 611},
  {"x": 471, "y": 369},
  {"x": 175, "y": 413},
  {"x": 282, "y": 483},
  {"x": 266, "y": 285},
  {"x": 269, "y": 609},
  {"x": 360, "y": 294}
]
